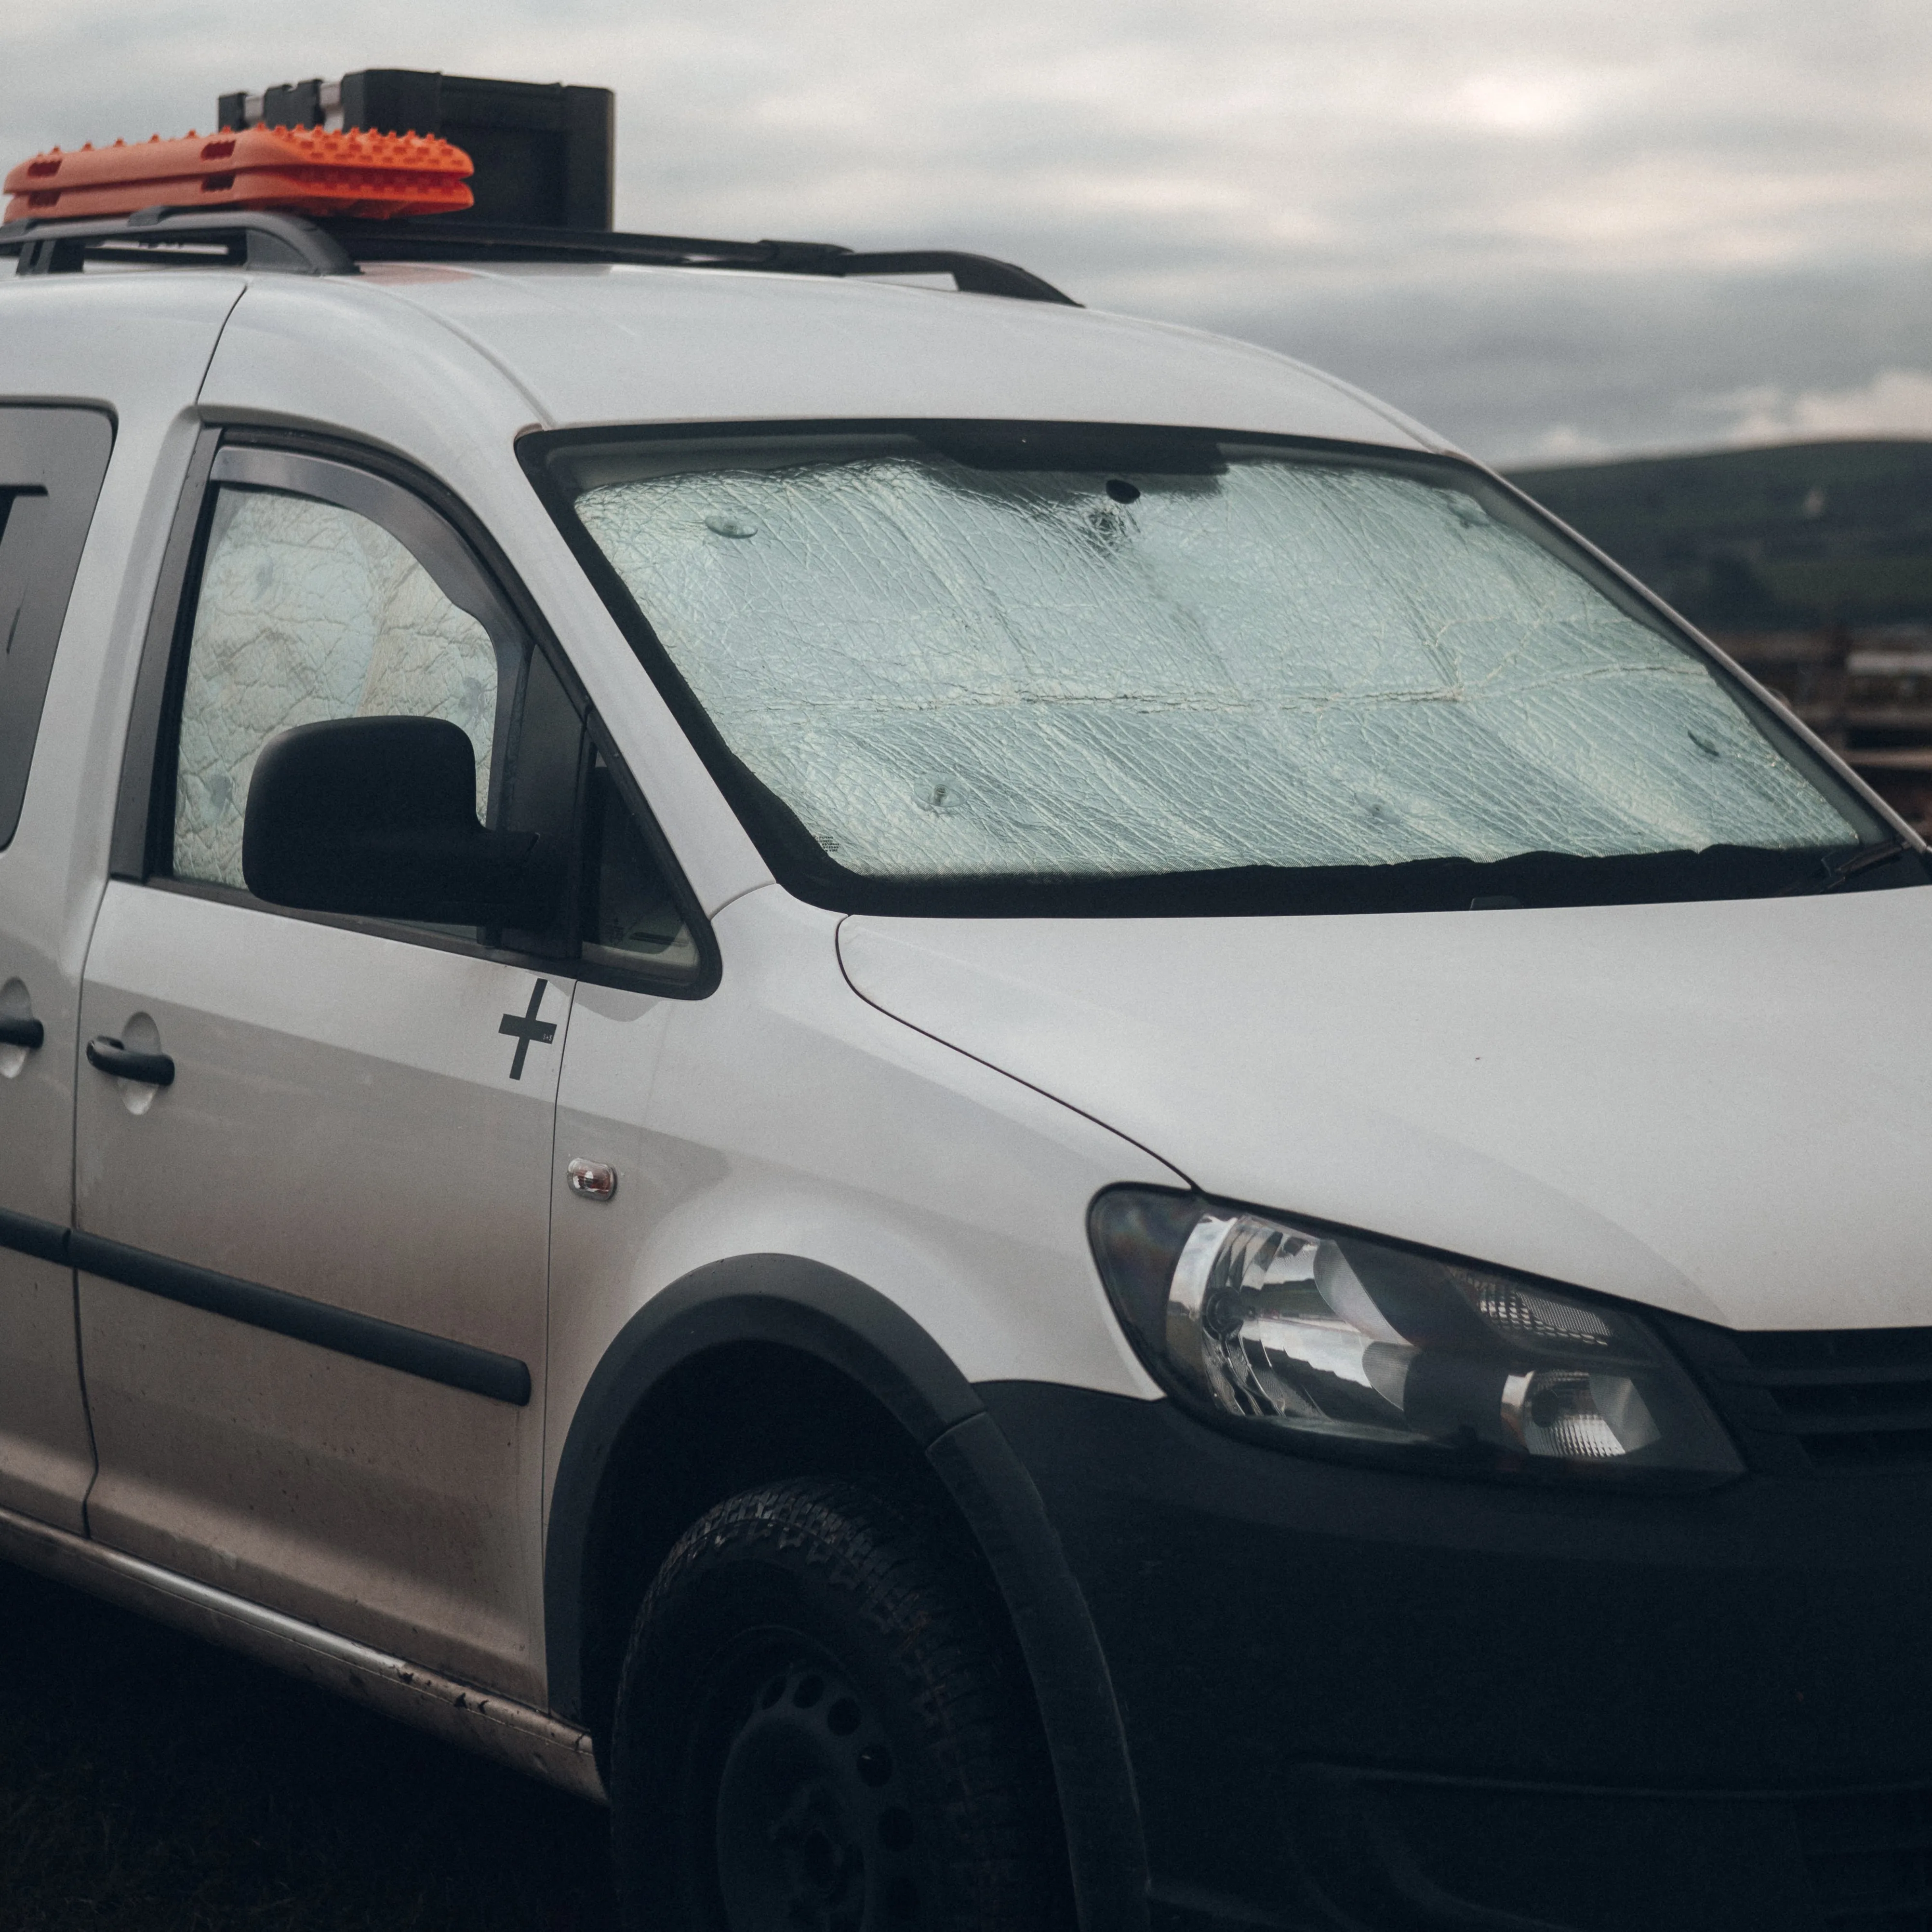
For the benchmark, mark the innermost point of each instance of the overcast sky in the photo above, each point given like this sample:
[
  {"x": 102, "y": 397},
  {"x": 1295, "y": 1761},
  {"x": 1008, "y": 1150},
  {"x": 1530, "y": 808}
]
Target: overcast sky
[{"x": 1551, "y": 228}]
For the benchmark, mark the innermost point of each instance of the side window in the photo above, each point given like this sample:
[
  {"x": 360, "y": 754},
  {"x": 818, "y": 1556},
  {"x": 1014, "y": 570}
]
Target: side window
[
  {"x": 325, "y": 592},
  {"x": 630, "y": 918},
  {"x": 309, "y": 610},
  {"x": 52, "y": 462}
]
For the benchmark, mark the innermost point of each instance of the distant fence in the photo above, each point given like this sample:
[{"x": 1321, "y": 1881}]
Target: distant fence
[{"x": 1866, "y": 693}]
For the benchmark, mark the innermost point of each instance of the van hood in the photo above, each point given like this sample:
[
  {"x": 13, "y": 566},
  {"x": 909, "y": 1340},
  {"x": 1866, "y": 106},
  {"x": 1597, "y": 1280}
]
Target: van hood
[{"x": 1723, "y": 1109}]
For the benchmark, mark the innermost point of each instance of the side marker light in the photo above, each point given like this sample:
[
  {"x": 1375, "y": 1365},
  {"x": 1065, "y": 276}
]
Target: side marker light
[{"x": 300, "y": 170}]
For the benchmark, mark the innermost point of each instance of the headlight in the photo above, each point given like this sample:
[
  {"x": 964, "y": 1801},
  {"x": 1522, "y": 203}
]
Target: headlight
[{"x": 1317, "y": 1335}]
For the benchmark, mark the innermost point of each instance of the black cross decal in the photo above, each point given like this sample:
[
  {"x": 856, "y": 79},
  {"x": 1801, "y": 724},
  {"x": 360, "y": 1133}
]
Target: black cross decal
[{"x": 524, "y": 1027}]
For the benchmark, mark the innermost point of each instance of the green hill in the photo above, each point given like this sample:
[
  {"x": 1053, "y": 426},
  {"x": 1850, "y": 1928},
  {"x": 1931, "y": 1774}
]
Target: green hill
[{"x": 1794, "y": 537}]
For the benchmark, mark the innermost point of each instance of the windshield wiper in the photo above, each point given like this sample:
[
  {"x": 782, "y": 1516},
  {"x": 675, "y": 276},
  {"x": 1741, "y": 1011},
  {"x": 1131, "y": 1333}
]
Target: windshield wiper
[{"x": 1834, "y": 872}]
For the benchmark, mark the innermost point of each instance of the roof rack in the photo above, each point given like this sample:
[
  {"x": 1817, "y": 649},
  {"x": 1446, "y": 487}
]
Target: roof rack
[
  {"x": 290, "y": 244},
  {"x": 157, "y": 237}
]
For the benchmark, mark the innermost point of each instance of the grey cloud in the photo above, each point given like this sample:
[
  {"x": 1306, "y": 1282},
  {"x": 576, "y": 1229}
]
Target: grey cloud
[
  {"x": 1604, "y": 220},
  {"x": 1529, "y": 370}
]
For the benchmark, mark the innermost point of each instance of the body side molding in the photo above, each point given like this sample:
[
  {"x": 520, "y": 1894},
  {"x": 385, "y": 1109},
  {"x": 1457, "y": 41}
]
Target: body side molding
[
  {"x": 435, "y": 1358},
  {"x": 529, "y": 1740},
  {"x": 790, "y": 1302},
  {"x": 45, "y": 1240}
]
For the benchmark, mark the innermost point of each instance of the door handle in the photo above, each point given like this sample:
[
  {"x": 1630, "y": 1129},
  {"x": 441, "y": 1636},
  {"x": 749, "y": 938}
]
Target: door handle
[
  {"x": 154, "y": 1069},
  {"x": 16, "y": 1030}
]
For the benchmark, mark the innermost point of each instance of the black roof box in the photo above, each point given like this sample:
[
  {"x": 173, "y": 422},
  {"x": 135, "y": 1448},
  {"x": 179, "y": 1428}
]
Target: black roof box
[{"x": 542, "y": 153}]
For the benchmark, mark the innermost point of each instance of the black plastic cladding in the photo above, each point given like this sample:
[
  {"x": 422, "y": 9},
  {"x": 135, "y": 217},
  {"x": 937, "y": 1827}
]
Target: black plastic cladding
[
  {"x": 801, "y": 865},
  {"x": 805, "y": 1307},
  {"x": 1267, "y": 1618},
  {"x": 140, "y": 849}
]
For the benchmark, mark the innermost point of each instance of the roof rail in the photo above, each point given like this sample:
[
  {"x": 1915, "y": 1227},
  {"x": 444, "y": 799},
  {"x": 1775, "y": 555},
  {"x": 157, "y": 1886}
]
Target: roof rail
[
  {"x": 415, "y": 240},
  {"x": 239, "y": 238},
  {"x": 261, "y": 239}
]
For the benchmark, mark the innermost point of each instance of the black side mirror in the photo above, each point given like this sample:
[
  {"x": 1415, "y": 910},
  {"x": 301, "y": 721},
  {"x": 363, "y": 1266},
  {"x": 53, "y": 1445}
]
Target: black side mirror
[{"x": 377, "y": 816}]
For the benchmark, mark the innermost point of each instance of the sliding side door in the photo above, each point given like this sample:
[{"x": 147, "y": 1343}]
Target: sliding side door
[{"x": 52, "y": 463}]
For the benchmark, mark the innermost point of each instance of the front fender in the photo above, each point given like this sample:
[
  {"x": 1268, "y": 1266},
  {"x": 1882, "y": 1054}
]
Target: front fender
[{"x": 803, "y": 1305}]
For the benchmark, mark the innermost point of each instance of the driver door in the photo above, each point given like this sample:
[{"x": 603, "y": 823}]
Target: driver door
[{"x": 313, "y": 1204}]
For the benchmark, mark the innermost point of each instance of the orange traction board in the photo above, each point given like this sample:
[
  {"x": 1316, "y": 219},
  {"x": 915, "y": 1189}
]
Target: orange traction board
[{"x": 302, "y": 170}]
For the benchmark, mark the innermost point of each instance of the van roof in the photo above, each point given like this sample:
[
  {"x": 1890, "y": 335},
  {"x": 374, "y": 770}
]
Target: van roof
[
  {"x": 618, "y": 344},
  {"x": 608, "y": 328}
]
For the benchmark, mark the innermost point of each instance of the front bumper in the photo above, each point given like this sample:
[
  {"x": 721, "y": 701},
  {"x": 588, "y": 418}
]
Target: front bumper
[{"x": 1353, "y": 1698}]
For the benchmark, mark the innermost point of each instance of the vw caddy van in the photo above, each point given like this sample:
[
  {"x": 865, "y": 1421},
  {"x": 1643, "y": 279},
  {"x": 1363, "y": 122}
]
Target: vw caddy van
[{"x": 996, "y": 1105}]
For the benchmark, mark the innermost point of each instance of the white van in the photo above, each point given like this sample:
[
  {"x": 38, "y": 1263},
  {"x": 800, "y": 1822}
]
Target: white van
[{"x": 996, "y": 1102}]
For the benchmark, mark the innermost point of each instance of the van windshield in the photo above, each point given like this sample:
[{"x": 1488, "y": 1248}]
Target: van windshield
[{"x": 992, "y": 668}]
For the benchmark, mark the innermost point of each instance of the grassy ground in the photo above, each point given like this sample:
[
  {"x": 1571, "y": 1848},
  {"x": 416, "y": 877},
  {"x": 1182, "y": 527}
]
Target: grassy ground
[{"x": 150, "y": 1783}]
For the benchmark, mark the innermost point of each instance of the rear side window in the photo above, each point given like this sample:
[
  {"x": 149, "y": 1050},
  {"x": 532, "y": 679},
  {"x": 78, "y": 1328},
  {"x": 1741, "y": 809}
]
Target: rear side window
[{"x": 52, "y": 462}]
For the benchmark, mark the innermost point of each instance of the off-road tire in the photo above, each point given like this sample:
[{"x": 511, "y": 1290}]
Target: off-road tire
[{"x": 822, "y": 1726}]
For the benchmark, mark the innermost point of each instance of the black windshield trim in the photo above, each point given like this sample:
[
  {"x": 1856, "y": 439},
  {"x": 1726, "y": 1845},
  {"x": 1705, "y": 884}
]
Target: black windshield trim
[
  {"x": 805, "y": 869},
  {"x": 1529, "y": 880}
]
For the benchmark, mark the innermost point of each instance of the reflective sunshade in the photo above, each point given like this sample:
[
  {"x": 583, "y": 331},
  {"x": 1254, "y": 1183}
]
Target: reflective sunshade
[
  {"x": 953, "y": 669},
  {"x": 308, "y": 611}
]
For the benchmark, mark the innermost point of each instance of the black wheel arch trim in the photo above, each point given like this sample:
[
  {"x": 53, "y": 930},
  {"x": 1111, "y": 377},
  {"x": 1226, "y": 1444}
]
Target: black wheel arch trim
[{"x": 850, "y": 1327}]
